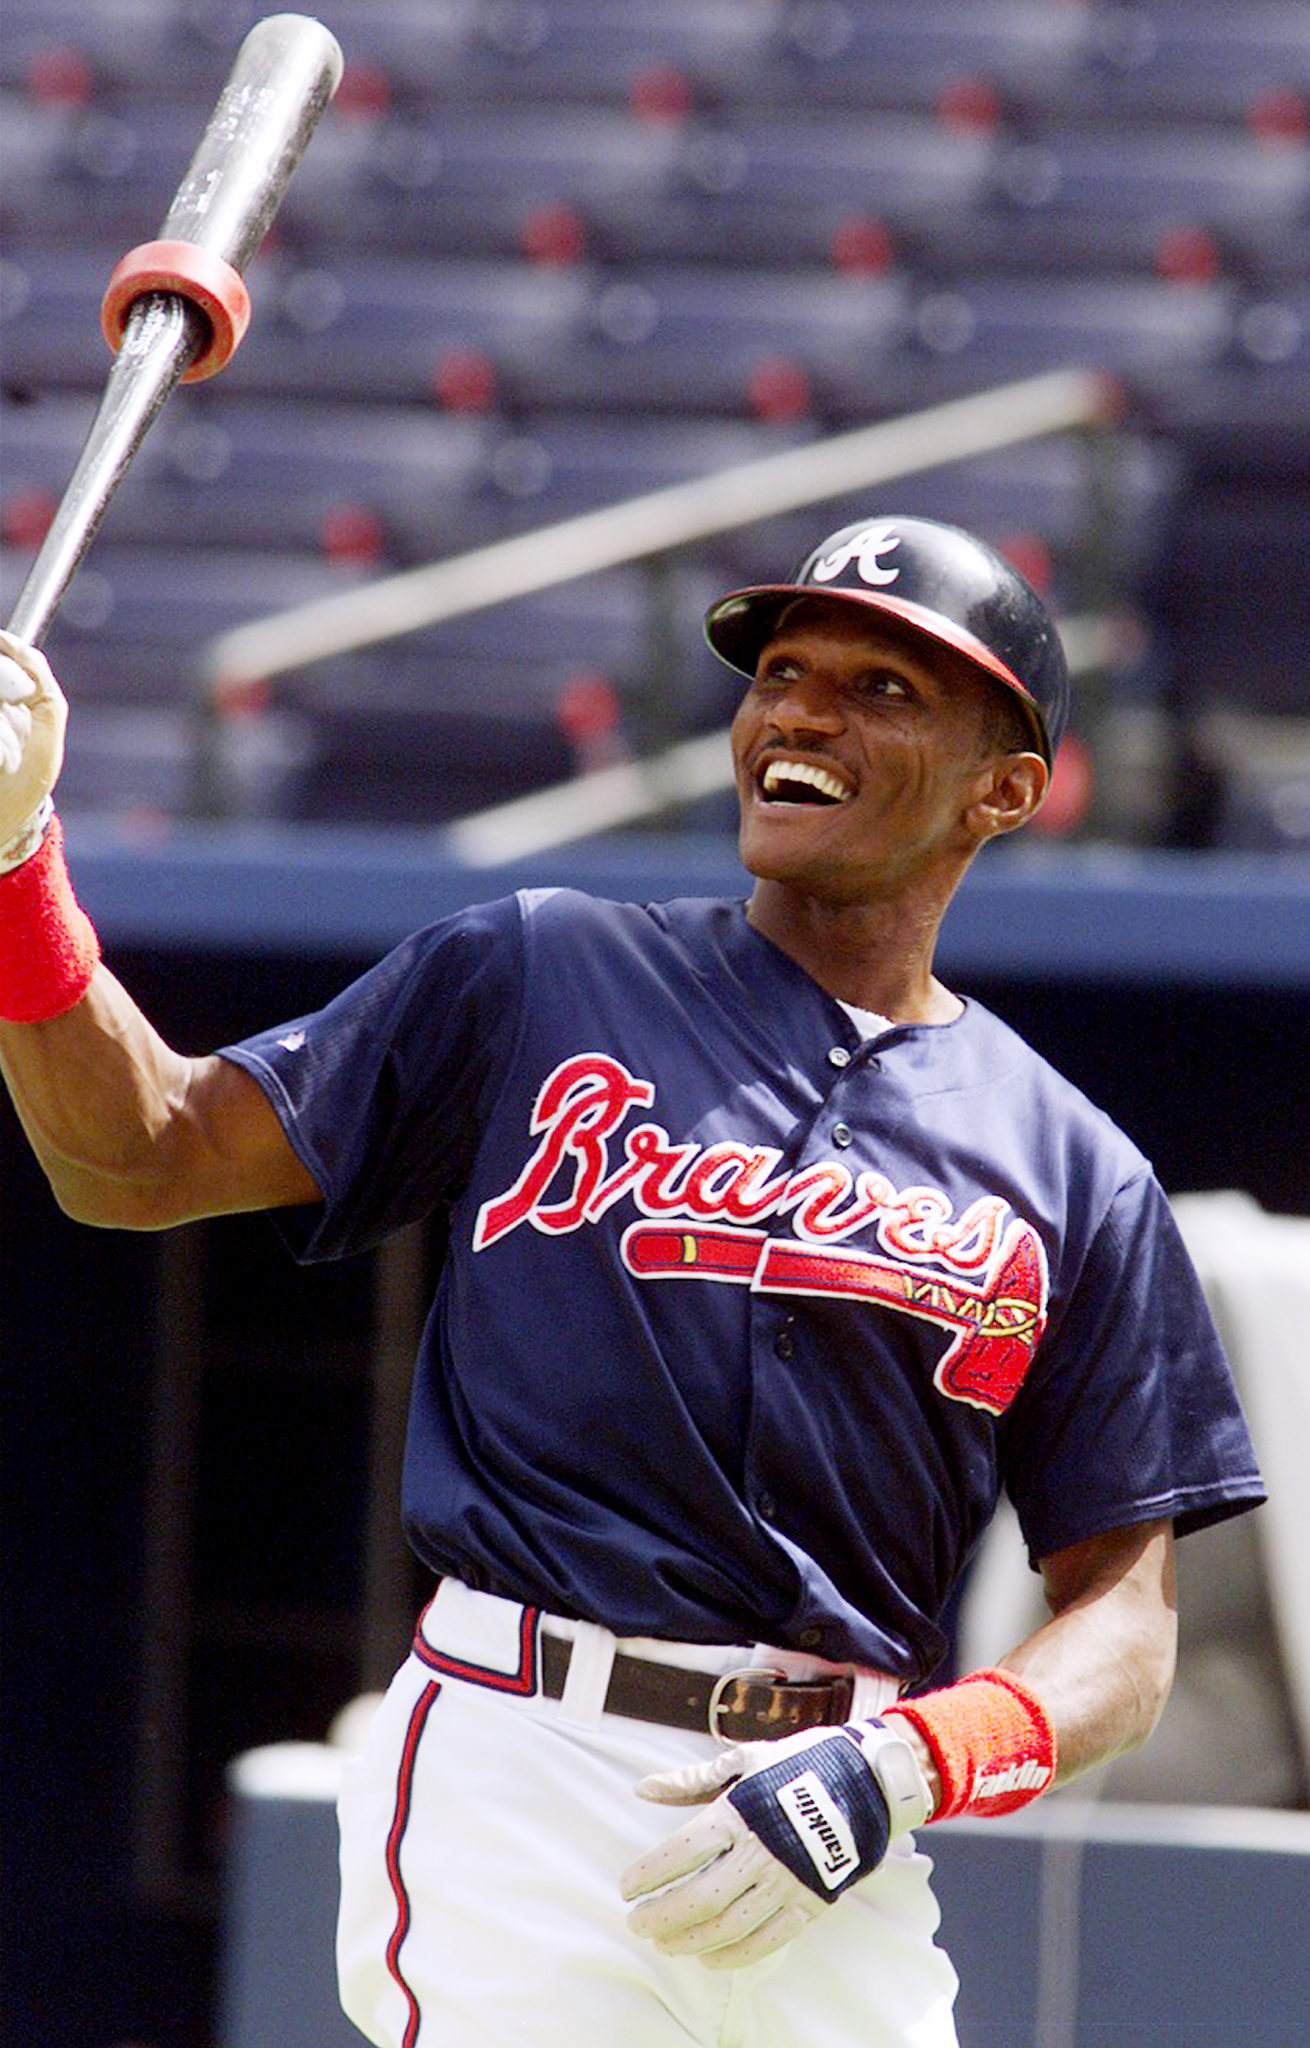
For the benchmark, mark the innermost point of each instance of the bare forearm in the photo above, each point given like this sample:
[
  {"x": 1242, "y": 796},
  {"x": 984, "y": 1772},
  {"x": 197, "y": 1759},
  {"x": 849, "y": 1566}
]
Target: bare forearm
[
  {"x": 1097, "y": 1674},
  {"x": 96, "y": 1091},
  {"x": 1103, "y": 1667},
  {"x": 133, "y": 1135}
]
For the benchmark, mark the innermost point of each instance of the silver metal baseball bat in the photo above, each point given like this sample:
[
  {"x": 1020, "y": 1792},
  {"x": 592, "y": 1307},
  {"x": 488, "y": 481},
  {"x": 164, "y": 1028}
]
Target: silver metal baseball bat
[{"x": 285, "y": 73}]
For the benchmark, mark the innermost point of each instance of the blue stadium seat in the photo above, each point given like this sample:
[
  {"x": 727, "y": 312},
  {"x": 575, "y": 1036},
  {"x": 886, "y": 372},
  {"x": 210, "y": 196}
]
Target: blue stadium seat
[
  {"x": 99, "y": 175},
  {"x": 1198, "y": 60},
  {"x": 372, "y": 482},
  {"x": 688, "y": 338},
  {"x": 561, "y": 183},
  {"x": 523, "y": 51},
  {"x": 485, "y": 182},
  {"x": 1250, "y": 656},
  {"x": 157, "y": 50},
  {"x": 1157, "y": 337},
  {"x": 417, "y": 729},
  {"x": 522, "y": 337},
  {"x": 791, "y": 187},
  {"x": 134, "y": 617},
  {"x": 1115, "y": 195},
  {"x": 977, "y": 60},
  {"x": 374, "y": 330},
  {"x": 1034, "y": 500}
]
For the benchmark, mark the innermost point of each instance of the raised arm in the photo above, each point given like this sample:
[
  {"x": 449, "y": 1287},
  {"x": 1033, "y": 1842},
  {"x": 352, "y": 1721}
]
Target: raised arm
[
  {"x": 134, "y": 1136},
  {"x": 129, "y": 1132}
]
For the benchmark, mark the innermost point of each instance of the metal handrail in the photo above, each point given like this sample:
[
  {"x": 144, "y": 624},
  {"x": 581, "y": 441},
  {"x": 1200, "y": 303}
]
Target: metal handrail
[{"x": 677, "y": 516}]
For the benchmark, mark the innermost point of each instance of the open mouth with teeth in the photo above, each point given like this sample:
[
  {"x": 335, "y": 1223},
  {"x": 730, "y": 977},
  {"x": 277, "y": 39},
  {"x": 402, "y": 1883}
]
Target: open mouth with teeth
[{"x": 802, "y": 782}]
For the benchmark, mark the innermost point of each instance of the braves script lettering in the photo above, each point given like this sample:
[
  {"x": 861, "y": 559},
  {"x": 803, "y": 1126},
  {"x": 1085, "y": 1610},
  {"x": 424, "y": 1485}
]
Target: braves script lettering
[{"x": 705, "y": 1204}]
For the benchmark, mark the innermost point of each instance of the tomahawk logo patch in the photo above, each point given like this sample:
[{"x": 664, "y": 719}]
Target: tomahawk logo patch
[
  {"x": 981, "y": 1275},
  {"x": 866, "y": 549}
]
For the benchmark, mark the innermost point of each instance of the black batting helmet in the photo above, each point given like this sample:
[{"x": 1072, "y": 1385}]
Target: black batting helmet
[{"x": 937, "y": 581}]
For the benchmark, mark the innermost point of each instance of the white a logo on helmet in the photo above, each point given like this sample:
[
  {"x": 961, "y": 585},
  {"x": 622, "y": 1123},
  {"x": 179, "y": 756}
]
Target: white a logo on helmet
[{"x": 866, "y": 549}]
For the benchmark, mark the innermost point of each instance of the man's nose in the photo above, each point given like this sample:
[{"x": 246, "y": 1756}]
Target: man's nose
[{"x": 807, "y": 703}]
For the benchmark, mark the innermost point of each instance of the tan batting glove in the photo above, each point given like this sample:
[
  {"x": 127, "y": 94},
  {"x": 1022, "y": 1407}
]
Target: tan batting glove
[
  {"x": 33, "y": 715},
  {"x": 791, "y": 1824}
]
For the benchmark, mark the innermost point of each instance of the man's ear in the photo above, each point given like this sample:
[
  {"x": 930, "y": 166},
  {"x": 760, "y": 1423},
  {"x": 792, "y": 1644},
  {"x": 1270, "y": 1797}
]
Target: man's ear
[{"x": 1014, "y": 788}]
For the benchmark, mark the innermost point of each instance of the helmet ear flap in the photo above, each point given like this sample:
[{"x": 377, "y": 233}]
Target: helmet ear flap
[{"x": 943, "y": 585}]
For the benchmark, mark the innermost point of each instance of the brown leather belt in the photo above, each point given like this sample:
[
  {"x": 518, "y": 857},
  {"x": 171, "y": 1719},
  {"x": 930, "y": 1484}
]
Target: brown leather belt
[{"x": 741, "y": 1706}]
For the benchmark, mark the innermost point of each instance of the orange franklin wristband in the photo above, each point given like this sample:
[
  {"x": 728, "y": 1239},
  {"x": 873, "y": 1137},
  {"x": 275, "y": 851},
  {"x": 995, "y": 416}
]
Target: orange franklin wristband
[
  {"x": 48, "y": 944},
  {"x": 991, "y": 1740}
]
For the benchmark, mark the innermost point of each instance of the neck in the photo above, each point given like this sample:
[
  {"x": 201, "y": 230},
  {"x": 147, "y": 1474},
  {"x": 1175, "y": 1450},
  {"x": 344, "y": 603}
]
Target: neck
[{"x": 876, "y": 955}]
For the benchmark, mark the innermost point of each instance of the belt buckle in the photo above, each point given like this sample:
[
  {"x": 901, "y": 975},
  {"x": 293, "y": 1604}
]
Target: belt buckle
[{"x": 756, "y": 1674}]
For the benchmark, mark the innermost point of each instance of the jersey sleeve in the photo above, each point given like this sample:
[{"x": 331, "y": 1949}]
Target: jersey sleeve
[
  {"x": 383, "y": 1092},
  {"x": 1132, "y": 1414}
]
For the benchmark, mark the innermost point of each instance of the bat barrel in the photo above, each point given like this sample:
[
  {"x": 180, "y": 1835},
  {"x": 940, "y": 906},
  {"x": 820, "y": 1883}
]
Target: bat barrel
[{"x": 285, "y": 72}]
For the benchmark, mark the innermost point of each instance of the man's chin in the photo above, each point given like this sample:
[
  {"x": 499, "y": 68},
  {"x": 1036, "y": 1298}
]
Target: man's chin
[{"x": 789, "y": 868}]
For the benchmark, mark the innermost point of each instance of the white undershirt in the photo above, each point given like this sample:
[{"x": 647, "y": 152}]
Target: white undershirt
[{"x": 867, "y": 1022}]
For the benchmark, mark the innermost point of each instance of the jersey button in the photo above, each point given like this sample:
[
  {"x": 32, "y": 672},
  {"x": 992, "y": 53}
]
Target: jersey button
[
  {"x": 784, "y": 1344},
  {"x": 841, "y": 1134},
  {"x": 766, "y": 1506},
  {"x": 839, "y": 1057},
  {"x": 811, "y": 1639}
]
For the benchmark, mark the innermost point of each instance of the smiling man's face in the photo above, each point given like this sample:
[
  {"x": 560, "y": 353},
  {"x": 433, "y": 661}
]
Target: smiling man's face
[{"x": 856, "y": 760}]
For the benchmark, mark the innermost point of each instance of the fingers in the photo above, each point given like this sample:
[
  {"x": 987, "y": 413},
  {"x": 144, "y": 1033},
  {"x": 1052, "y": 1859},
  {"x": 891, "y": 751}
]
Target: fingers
[
  {"x": 694, "y": 1783},
  {"x": 737, "y": 1908},
  {"x": 703, "y": 1839},
  {"x": 33, "y": 717},
  {"x": 762, "y": 1941},
  {"x": 16, "y": 686},
  {"x": 737, "y": 1923},
  {"x": 15, "y": 730},
  {"x": 713, "y": 1901},
  {"x": 23, "y": 668}
]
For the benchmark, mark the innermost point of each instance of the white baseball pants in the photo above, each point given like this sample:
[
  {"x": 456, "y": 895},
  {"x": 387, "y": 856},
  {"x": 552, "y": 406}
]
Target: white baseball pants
[{"x": 483, "y": 1831}]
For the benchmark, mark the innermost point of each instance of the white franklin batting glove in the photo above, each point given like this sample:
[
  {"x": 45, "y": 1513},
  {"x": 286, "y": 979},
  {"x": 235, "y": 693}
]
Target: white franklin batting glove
[
  {"x": 33, "y": 715},
  {"x": 800, "y": 1821}
]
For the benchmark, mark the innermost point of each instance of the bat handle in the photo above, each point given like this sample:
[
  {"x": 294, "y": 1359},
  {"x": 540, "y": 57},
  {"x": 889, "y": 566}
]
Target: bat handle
[{"x": 162, "y": 335}]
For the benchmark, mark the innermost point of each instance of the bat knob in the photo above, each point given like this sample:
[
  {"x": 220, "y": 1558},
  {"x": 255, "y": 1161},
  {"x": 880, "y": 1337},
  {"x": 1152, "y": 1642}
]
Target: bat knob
[{"x": 189, "y": 272}]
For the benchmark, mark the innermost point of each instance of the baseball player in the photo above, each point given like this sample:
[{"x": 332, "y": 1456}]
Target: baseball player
[{"x": 771, "y": 1262}]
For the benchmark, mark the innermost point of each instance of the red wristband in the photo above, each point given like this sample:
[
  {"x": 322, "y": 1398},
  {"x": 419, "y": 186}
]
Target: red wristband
[
  {"x": 48, "y": 944},
  {"x": 991, "y": 1740}
]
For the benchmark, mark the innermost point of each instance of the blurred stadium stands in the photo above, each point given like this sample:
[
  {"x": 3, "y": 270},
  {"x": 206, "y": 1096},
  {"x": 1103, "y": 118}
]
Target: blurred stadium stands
[{"x": 545, "y": 254}]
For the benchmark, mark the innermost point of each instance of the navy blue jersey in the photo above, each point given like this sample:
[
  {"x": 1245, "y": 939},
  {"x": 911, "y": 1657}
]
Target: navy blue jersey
[{"x": 744, "y": 1323}]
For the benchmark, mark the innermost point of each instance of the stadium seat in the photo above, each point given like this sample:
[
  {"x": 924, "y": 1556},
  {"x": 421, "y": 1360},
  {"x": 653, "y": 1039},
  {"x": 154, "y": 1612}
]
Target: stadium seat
[
  {"x": 67, "y": 53},
  {"x": 975, "y": 61},
  {"x": 1034, "y": 502},
  {"x": 134, "y": 618},
  {"x": 518, "y": 337},
  {"x": 524, "y": 52},
  {"x": 547, "y": 181},
  {"x": 1184, "y": 202},
  {"x": 371, "y": 483},
  {"x": 1170, "y": 61},
  {"x": 984, "y": 330}
]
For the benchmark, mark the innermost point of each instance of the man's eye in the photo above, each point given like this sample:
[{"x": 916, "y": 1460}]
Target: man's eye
[{"x": 882, "y": 683}]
